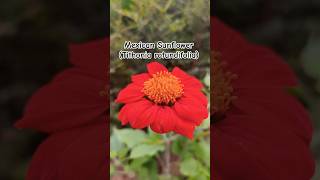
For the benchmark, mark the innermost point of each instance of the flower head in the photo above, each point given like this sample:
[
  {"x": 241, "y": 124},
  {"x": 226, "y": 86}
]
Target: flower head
[
  {"x": 163, "y": 88},
  {"x": 165, "y": 101},
  {"x": 259, "y": 130},
  {"x": 72, "y": 109}
]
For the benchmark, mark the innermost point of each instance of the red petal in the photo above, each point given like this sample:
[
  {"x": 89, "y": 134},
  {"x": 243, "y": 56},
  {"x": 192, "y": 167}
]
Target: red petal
[
  {"x": 165, "y": 120},
  {"x": 146, "y": 117},
  {"x": 254, "y": 143},
  {"x": 231, "y": 160},
  {"x": 274, "y": 72},
  {"x": 184, "y": 128},
  {"x": 187, "y": 80},
  {"x": 133, "y": 113},
  {"x": 155, "y": 67},
  {"x": 140, "y": 78},
  {"x": 129, "y": 94},
  {"x": 259, "y": 67},
  {"x": 72, "y": 99},
  {"x": 191, "y": 110},
  {"x": 76, "y": 154},
  {"x": 123, "y": 115},
  {"x": 265, "y": 130},
  {"x": 196, "y": 95},
  {"x": 281, "y": 105},
  {"x": 92, "y": 57}
]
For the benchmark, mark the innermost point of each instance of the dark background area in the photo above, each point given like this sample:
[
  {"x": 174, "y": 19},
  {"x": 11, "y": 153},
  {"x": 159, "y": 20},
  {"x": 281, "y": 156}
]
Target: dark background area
[
  {"x": 34, "y": 36},
  {"x": 33, "y": 47},
  {"x": 292, "y": 29}
]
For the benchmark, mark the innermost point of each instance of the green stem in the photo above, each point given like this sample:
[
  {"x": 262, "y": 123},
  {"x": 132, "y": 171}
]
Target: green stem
[{"x": 167, "y": 156}]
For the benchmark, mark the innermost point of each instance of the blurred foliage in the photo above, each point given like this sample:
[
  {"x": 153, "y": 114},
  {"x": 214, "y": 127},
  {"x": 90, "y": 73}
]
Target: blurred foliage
[
  {"x": 141, "y": 154},
  {"x": 150, "y": 21},
  {"x": 137, "y": 154},
  {"x": 291, "y": 28}
]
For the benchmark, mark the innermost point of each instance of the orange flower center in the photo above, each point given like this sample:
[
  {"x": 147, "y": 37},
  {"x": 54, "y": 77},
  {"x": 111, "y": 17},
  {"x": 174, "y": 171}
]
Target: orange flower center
[
  {"x": 163, "y": 88},
  {"x": 222, "y": 88}
]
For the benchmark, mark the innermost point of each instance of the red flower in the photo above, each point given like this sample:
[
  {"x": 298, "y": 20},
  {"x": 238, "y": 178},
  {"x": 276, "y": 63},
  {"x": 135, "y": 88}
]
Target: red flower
[
  {"x": 72, "y": 109},
  {"x": 165, "y": 101},
  {"x": 259, "y": 131}
]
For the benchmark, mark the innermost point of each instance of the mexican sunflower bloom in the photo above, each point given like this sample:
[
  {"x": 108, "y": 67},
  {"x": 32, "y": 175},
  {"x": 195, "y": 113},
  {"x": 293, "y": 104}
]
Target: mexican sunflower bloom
[
  {"x": 72, "y": 110},
  {"x": 259, "y": 130},
  {"x": 165, "y": 101}
]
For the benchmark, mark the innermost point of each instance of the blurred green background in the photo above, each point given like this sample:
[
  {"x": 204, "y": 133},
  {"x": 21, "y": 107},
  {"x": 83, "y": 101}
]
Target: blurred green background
[
  {"x": 292, "y": 29},
  {"x": 142, "y": 154}
]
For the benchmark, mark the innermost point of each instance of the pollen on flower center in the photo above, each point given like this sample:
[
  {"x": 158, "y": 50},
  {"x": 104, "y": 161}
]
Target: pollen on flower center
[
  {"x": 163, "y": 88},
  {"x": 221, "y": 85}
]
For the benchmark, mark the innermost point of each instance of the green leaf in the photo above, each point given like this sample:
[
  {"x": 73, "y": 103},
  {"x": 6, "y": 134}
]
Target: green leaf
[
  {"x": 115, "y": 144},
  {"x": 153, "y": 138},
  {"x": 189, "y": 167},
  {"x": 206, "y": 80},
  {"x": 177, "y": 25},
  {"x": 112, "y": 169},
  {"x": 113, "y": 154},
  {"x": 145, "y": 150},
  {"x": 206, "y": 123},
  {"x": 204, "y": 147},
  {"x": 122, "y": 153},
  {"x": 149, "y": 170},
  {"x": 166, "y": 177},
  {"x": 131, "y": 137},
  {"x": 126, "y": 4},
  {"x": 176, "y": 147},
  {"x": 179, "y": 146},
  {"x": 137, "y": 163}
]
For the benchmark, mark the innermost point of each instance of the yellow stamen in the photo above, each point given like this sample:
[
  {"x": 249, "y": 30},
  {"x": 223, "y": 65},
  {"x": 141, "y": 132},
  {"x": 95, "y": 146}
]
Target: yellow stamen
[
  {"x": 221, "y": 84},
  {"x": 163, "y": 88}
]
